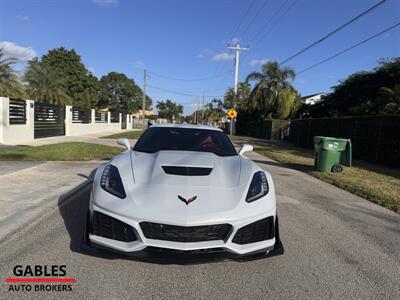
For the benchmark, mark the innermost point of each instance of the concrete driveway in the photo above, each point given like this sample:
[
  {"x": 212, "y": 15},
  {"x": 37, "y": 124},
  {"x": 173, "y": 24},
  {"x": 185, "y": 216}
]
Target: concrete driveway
[{"x": 337, "y": 245}]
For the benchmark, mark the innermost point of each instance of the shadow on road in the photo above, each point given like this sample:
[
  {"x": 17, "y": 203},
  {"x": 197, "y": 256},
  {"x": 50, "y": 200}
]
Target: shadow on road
[
  {"x": 73, "y": 207},
  {"x": 299, "y": 167}
]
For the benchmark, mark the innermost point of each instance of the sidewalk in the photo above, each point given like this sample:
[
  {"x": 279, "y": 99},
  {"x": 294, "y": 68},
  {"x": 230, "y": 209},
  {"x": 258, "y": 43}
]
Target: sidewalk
[
  {"x": 30, "y": 189},
  {"x": 93, "y": 138}
]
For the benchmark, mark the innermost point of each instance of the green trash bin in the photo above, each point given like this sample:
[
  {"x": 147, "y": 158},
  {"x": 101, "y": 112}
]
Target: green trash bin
[{"x": 330, "y": 153}]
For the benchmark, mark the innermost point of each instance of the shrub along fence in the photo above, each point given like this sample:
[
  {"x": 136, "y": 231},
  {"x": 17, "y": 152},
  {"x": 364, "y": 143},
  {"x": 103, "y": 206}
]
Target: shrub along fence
[
  {"x": 266, "y": 129},
  {"x": 374, "y": 139}
]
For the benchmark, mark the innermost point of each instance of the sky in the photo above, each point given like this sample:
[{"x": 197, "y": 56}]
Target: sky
[{"x": 183, "y": 43}]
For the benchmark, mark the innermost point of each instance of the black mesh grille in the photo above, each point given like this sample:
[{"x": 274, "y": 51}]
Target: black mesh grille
[
  {"x": 187, "y": 171},
  {"x": 185, "y": 234},
  {"x": 111, "y": 228},
  {"x": 255, "y": 232}
]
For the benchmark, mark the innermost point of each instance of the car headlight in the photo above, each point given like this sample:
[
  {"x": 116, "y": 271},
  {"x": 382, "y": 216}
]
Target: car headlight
[
  {"x": 111, "y": 181},
  {"x": 258, "y": 187}
]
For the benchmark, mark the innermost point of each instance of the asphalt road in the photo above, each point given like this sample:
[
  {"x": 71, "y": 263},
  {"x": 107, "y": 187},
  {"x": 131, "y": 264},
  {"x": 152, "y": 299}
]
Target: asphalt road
[{"x": 336, "y": 245}]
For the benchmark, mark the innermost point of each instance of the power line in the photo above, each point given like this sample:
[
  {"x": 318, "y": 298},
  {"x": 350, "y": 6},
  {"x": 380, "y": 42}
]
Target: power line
[
  {"x": 190, "y": 79},
  {"x": 255, "y": 17},
  {"x": 334, "y": 31},
  {"x": 242, "y": 19},
  {"x": 350, "y": 48},
  {"x": 179, "y": 93},
  {"x": 265, "y": 25},
  {"x": 288, "y": 9}
]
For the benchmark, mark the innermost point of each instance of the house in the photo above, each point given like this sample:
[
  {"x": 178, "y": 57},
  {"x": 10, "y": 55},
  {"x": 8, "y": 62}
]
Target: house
[
  {"x": 147, "y": 113},
  {"x": 312, "y": 99}
]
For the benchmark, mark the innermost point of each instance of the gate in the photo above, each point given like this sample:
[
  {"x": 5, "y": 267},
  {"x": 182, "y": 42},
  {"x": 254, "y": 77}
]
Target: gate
[
  {"x": 49, "y": 120},
  {"x": 123, "y": 121}
]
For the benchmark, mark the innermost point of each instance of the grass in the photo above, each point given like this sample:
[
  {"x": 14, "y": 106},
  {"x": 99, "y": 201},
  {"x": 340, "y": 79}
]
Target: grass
[
  {"x": 377, "y": 183},
  {"x": 133, "y": 134},
  {"x": 71, "y": 151}
]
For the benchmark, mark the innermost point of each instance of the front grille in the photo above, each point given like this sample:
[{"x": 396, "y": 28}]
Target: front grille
[
  {"x": 185, "y": 234},
  {"x": 255, "y": 232},
  {"x": 112, "y": 228},
  {"x": 184, "y": 252}
]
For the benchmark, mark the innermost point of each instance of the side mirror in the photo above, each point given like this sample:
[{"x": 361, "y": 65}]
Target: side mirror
[
  {"x": 124, "y": 142},
  {"x": 245, "y": 148}
]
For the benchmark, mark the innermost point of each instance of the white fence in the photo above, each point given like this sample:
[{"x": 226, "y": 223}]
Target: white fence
[{"x": 12, "y": 132}]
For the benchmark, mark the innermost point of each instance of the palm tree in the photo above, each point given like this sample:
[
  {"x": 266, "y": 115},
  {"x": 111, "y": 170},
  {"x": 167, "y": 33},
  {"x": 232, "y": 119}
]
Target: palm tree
[
  {"x": 44, "y": 85},
  {"x": 241, "y": 99},
  {"x": 271, "y": 81},
  {"x": 9, "y": 84}
]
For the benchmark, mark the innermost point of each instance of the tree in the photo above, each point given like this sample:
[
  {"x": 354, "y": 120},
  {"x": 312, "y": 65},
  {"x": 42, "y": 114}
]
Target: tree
[
  {"x": 169, "y": 110},
  {"x": 9, "y": 84},
  {"x": 80, "y": 85},
  {"x": 44, "y": 85},
  {"x": 286, "y": 103},
  {"x": 390, "y": 100},
  {"x": 119, "y": 93},
  {"x": 241, "y": 101},
  {"x": 363, "y": 93},
  {"x": 271, "y": 82}
]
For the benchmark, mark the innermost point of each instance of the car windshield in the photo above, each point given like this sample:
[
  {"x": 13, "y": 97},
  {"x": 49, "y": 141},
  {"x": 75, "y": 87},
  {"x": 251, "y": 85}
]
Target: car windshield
[{"x": 185, "y": 139}]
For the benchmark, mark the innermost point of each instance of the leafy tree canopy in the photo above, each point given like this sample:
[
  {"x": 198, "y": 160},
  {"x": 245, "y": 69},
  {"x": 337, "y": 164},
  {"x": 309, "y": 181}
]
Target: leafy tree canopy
[
  {"x": 119, "y": 93},
  {"x": 273, "y": 95},
  {"x": 9, "y": 84},
  {"x": 44, "y": 85},
  {"x": 79, "y": 84},
  {"x": 169, "y": 110},
  {"x": 374, "y": 92}
]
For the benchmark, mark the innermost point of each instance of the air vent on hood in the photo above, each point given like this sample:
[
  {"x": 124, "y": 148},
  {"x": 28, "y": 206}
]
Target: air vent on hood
[{"x": 187, "y": 171}]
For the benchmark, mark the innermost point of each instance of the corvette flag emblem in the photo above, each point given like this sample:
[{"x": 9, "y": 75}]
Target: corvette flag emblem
[{"x": 187, "y": 201}]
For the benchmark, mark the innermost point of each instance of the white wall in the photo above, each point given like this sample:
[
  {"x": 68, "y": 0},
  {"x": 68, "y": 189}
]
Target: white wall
[
  {"x": 16, "y": 133},
  {"x": 20, "y": 133},
  {"x": 72, "y": 129}
]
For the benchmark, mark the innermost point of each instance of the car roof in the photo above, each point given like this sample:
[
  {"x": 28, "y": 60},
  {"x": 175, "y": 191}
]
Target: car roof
[{"x": 190, "y": 126}]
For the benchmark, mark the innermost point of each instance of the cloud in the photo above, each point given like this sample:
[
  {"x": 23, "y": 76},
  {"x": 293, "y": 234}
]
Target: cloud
[
  {"x": 105, "y": 2},
  {"x": 234, "y": 41},
  {"x": 204, "y": 53},
  {"x": 260, "y": 62},
  {"x": 138, "y": 64},
  {"x": 20, "y": 53},
  {"x": 22, "y": 17},
  {"x": 223, "y": 57}
]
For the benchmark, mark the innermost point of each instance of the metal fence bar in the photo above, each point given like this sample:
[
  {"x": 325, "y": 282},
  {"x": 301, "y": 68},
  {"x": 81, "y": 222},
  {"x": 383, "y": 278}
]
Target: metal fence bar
[
  {"x": 101, "y": 117},
  {"x": 17, "y": 112},
  {"x": 83, "y": 116}
]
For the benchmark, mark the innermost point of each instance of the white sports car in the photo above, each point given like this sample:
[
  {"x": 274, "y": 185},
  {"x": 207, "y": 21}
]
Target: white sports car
[{"x": 183, "y": 188}]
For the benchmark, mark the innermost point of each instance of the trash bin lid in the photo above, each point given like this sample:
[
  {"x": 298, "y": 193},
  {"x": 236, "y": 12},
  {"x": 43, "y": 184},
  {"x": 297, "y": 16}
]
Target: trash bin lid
[{"x": 331, "y": 143}]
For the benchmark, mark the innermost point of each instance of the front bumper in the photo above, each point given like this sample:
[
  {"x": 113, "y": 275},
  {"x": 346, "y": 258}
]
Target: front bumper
[{"x": 229, "y": 244}]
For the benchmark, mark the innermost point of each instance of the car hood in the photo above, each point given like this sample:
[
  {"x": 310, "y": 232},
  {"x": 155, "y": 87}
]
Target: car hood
[
  {"x": 153, "y": 169},
  {"x": 153, "y": 195}
]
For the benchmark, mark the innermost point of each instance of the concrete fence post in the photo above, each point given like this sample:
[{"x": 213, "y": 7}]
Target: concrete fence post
[
  {"x": 93, "y": 118},
  {"x": 2, "y": 117},
  {"x": 120, "y": 120},
  {"x": 108, "y": 117},
  {"x": 68, "y": 119}
]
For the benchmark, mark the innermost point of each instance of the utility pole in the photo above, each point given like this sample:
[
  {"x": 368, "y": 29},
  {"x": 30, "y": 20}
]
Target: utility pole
[
  {"x": 237, "y": 49},
  {"x": 202, "y": 111},
  {"x": 144, "y": 98}
]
